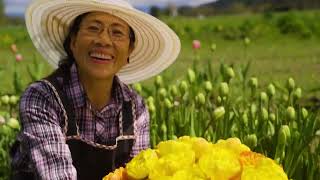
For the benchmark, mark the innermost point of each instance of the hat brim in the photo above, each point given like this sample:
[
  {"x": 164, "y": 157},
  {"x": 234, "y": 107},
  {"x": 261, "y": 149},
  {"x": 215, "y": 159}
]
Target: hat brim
[{"x": 156, "y": 46}]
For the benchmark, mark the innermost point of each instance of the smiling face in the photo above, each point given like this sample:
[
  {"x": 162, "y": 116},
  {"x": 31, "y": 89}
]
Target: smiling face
[{"x": 102, "y": 45}]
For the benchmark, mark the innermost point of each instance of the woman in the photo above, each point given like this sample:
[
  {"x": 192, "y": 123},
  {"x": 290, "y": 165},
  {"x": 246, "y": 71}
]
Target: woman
[{"x": 83, "y": 121}]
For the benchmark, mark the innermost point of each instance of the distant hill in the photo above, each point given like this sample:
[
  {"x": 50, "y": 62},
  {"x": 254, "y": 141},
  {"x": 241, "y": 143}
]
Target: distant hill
[
  {"x": 238, "y": 6},
  {"x": 258, "y": 5}
]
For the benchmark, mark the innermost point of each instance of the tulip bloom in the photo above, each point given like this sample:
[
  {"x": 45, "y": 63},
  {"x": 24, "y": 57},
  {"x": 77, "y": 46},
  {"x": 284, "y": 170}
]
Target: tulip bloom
[
  {"x": 196, "y": 44},
  {"x": 14, "y": 48},
  {"x": 19, "y": 57}
]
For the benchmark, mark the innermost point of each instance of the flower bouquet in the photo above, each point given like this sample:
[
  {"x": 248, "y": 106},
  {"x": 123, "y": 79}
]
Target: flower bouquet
[{"x": 193, "y": 158}]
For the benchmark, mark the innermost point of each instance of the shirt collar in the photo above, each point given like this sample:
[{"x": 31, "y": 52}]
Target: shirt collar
[{"x": 120, "y": 91}]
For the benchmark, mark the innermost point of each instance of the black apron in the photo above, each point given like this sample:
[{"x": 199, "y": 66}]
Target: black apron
[{"x": 92, "y": 161}]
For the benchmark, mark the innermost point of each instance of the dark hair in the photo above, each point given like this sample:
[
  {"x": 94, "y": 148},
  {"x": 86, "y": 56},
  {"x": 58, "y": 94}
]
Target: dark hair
[{"x": 74, "y": 29}]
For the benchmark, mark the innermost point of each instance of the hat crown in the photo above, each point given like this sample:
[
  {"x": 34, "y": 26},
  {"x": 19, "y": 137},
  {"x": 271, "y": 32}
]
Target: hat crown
[{"x": 121, "y": 3}]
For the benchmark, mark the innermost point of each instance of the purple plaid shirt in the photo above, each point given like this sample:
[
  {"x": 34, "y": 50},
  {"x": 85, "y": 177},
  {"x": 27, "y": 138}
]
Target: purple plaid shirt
[{"x": 43, "y": 146}]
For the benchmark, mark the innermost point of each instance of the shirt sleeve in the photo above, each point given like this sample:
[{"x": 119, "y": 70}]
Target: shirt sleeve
[
  {"x": 142, "y": 127},
  {"x": 42, "y": 136}
]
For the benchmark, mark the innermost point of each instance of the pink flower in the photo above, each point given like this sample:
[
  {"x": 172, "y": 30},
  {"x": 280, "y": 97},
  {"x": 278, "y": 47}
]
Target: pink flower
[
  {"x": 19, "y": 57},
  {"x": 14, "y": 48},
  {"x": 196, "y": 44}
]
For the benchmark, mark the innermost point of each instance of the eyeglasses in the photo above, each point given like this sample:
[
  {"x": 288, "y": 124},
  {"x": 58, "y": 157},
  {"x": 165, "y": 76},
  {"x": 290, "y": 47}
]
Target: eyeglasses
[{"x": 116, "y": 33}]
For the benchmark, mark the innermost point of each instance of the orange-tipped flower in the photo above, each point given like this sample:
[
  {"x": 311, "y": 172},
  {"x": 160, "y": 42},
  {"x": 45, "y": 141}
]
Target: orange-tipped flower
[{"x": 118, "y": 174}]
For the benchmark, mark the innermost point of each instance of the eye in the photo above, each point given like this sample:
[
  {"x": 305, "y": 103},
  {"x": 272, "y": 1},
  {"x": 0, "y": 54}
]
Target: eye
[
  {"x": 117, "y": 33},
  {"x": 94, "y": 28}
]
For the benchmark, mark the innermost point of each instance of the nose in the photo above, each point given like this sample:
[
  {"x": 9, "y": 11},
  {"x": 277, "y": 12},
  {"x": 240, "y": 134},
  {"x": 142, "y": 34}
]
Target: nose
[{"x": 104, "y": 38}]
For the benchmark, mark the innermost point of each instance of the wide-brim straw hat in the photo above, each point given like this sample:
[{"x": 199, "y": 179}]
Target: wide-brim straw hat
[{"x": 156, "y": 46}]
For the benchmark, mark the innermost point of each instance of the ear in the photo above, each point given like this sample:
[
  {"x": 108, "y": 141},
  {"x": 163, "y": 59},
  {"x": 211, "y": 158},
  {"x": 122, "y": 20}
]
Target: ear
[{"x": 72, "y": 42}]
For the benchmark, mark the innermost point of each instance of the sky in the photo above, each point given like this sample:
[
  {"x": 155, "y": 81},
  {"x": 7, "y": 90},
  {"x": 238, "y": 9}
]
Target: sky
[{"x": 17, "y": 7}]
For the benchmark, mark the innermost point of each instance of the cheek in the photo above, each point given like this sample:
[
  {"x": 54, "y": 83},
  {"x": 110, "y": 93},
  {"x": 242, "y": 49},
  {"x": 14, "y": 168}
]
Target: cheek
[{"x": 124, "y": 48}]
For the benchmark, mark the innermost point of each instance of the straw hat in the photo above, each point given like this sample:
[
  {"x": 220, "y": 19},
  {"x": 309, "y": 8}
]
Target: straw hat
[{"x": 156, "y": 46}]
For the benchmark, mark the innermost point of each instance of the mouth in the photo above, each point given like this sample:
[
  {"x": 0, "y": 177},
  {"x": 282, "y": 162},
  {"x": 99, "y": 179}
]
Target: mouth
[{"x": 101, "y": 57}]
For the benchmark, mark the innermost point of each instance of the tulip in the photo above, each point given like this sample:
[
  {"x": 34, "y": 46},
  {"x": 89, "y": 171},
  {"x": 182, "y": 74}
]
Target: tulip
[
  {"x": 272, "y": 117},
  {"x": 162, "y": 93},
  {"x": 6, "y": 130},
  {"x": 168, "y": 103},
  {"x": 2, "y": 120},
  {"x": 183, "y": 87},
  {"x": 208, "y": 86},
  {"x": 271, "y": 130},
  {"x": 150, "y": 99},
  {"x": 263, "y": 97},
  {"x": 213, "y": 47},
  {"x": 19, "y": 57},
  {"x": 219, "y": 100},
  {"x": 219, "y": 112},
  {"x": 138, "y": 87},
  {"x": 245, "y": 119},
  {"x": 196, "y": 44},
  {"x": 14, "y": 48},
  {"x": 253, "y": 82},
  {"x": 229, "y": 73},
  {"x": 264, "y": 114},
  {"x": 286, "y": 130},
  {"x": 5, "y": 99},
  {"x": 220, "y": 28},
  {"x": 152, "y": 108},
  {"x": 297, "y": 94},
  {"x": 191, "y": 76},
  {"x": 159, "y": 81},
  {"x": 271, "y": 90},
  {"x": 291, "y": 113},
  {"x": 224, "y": 89},
  {"x": 13, "y": 100},
  {"x": 251, "y": 140},
  {"x": 247, "y": 41},
  {"x": 253, "y": 109},
  {"x": 282, "y": 137},
  {"x": 174, "y": 90},
  {"x": 290, "y": 84},
  {"x": 304, "y": 113},
  {"x": 13, "y": 123},
  {"x": 201, "y": 99}
]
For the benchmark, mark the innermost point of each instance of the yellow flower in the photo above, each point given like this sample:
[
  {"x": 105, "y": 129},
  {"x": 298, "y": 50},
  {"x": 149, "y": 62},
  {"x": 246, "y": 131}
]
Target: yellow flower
[
  {"x": 192, "y": 158},
  {"x": 185, "y": 175},
  {"x": 256, "y": 166},
  {"x": 172, "y": 147},
  {"x": 139, "y": 167},
  {"x": 159, "y": 170},
  {"x": 118, "y": 174},
  {"x": 199, "y": 145},
  {"x": 233, "y": 144},
  {"x": 171, "y": 163},
  {"x": 220, "y": 163}
]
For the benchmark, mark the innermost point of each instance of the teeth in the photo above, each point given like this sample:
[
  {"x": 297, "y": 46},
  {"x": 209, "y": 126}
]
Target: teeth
[{"x": 101, "y": 56}]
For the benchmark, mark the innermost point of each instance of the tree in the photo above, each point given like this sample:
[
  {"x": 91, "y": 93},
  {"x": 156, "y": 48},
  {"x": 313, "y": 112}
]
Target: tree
[
  {"x": 155, "y": 11},
  {"x": 1, "y": 9}
]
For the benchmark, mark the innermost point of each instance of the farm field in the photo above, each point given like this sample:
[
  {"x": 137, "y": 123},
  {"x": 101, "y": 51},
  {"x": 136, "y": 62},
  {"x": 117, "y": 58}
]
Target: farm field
[
  {"x": 274, "y": 55},
  {"x": 252, "y": 76}
]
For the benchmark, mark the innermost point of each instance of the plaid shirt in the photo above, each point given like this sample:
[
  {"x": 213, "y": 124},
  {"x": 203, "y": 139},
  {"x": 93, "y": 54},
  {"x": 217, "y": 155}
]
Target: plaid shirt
[{"x": 43, "y": 146}]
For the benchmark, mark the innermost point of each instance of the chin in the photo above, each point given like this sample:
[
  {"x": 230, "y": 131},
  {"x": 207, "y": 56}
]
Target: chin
[{"x": 98, "y": 75}]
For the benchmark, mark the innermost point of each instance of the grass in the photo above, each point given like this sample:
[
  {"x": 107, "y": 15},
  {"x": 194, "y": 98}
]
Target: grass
[{"x": 274, "y": 56}]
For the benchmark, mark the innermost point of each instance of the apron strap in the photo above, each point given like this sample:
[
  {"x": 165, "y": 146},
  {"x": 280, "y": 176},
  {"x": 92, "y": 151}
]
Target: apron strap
[
  {"x": 127, "y": 118},
  {"x": 53, "y": 79}
]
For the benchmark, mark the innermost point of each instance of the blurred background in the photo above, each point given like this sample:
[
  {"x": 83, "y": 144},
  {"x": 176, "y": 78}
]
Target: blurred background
[
  {"x": 266, "y": 51},
  {"x": 283, "y": 34}
]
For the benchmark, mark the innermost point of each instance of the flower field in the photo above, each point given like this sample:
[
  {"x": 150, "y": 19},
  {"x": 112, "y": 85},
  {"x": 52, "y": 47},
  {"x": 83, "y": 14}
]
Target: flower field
[{"x": 255, "y": 78}]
